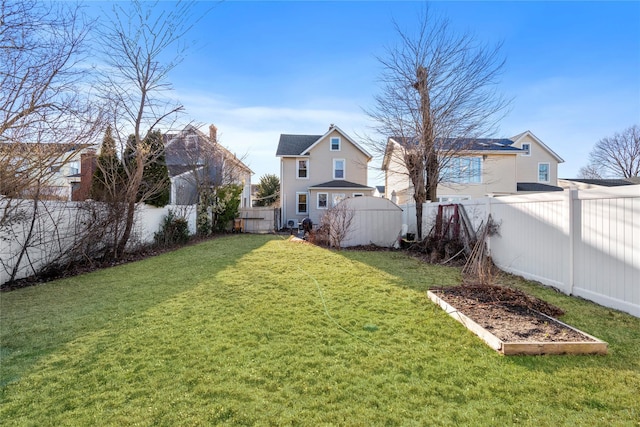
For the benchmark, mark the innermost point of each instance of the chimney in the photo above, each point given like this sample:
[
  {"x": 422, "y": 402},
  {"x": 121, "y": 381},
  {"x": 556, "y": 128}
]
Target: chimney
[
  {"x": 213, "y": 133},
  {"x": 87, "y": 168}
]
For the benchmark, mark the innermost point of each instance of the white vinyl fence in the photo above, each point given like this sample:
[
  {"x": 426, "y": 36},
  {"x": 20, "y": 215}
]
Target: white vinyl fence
[
  {"x": 56, "y": 229},
  {"x": 376, "y": 221},
  {"x": 584, "y": 243}
]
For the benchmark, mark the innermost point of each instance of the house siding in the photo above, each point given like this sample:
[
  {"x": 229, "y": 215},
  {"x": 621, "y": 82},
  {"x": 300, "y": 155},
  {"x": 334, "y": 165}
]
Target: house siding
[
  {"x": 527, "y": 166},
  {"x": 320, "y": 170},
  {"x": 498, "y": 173}
]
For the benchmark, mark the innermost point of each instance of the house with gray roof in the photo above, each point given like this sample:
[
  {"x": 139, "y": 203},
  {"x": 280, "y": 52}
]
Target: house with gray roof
[
  {"x": 196, "y": 160},
  {"x": 472, "y": 168},
  {"x": 317, "y": 172}
]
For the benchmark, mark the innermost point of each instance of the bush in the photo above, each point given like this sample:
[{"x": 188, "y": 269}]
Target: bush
[{"x": 173, "y": 231}]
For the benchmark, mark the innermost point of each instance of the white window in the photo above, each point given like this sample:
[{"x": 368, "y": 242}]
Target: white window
[
  {"x": 74, "y": 168},
  {"x": 338, "y": 168},
  {"x": 527, "y": 149},
  {"x": 335, "y": 144},
  {"x": 462, "y": 170},
  {"x": 301, "y": 205},
  {"x": 323, "y": 200},
  {"x": 358, "y": 194},
  {"x": 337, "y": 198},
  {"x": 303, "y": 168},
  {"x": 543, "y": 172}
]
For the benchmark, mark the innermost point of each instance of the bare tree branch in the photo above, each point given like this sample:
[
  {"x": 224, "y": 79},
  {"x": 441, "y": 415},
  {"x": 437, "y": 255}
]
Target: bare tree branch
[
  {"x": 617, "y": 156},
  {"x": 438, "y": 94}
]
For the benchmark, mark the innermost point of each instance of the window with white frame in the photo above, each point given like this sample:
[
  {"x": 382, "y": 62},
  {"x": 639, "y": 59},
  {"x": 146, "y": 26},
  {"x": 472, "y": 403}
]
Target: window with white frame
[
  {"x": 462, "y": 170},
  {"x": 303, "y": 168},
  {"x": 337, "y": 198},
  {"x": 323, "y": 199},
  {"x": 543, "y": 172},
  {"x": 358, "y": 194},
  {"x": 301, "y": 205},
  {"x": 338, "y": 168},
  {"x": 74, "y": 168},
  {"x": 527, "y": 149},
  {"x": 335, "y": 143}
]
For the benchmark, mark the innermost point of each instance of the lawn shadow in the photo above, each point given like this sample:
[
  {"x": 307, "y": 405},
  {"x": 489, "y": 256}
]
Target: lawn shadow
[{"x": 38, "y": 320}]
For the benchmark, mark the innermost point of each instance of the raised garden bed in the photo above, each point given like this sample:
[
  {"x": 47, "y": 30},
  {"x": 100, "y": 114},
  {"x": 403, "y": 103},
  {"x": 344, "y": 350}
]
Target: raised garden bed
[{"x": 513, "y": 323}]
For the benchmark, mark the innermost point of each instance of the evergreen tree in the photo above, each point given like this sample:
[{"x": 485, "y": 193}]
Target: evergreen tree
[
  {"x": 107, "y": 179},
  {"x": 155, "y": 178},
  {"x": 268, "y": 190}
]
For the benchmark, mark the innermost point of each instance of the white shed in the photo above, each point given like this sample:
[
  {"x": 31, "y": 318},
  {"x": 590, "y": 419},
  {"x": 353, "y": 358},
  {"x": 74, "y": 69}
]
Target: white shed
[{"x": 376, "y": 221}]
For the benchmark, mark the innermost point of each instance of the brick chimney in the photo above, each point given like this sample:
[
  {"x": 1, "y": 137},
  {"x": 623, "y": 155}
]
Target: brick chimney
[
  {"x": 87, "y": 168},
  {"x": 213, "y": 133}
]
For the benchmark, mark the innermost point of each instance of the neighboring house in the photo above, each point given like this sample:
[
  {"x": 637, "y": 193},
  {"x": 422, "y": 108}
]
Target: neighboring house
[
  {"x": 480, "y": 167},
  {"x": 317, "y": 172},
  {"x": 196, "y": 160},
  {"x": 379, "y": 191},
  {"x": 53, "y": 171},
  {"x": 587, "y": 184}
]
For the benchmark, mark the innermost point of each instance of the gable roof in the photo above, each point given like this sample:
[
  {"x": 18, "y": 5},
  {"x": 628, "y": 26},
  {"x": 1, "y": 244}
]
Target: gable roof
[
  {"x": 187, "y": 147},
  {"x": 485, "y": 145},
  {"x": 340, "y": 183},
  {"x": 300, "y": 145},
  {"x": 295, "y": 145},
  {"x": 539, "y": 142},
  {"x": 465, "y": 144}
]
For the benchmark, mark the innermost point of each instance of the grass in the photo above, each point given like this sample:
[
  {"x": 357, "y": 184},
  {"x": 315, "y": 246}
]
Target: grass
[{"x": 256, "y": 330}]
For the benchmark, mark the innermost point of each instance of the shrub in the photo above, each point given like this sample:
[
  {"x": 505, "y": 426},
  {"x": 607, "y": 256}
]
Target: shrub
[{"x": 174, "y": 230}]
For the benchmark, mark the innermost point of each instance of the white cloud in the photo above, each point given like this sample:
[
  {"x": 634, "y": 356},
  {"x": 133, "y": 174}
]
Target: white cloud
[{"x": 252, "y": 132}]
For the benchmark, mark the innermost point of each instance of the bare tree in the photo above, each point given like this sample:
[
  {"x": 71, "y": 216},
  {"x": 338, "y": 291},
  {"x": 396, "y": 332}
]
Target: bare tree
[
  {"x": 46, "y": 117},
  {"x": 335, "y": 225},
  {"x": 44, "y": 113},
  {"x": 589, "y": 172},
  {"x": 137, "y": 46},
  {"x": 617, "y": 156},
  {"x": 438, "y": 95}
]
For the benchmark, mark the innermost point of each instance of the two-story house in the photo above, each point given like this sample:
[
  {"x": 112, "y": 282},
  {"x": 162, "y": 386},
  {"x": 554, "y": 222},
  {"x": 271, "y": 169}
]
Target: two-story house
[
  {"x": 480, "y": 167},
  {"x": 49, "y": 171},
  {"x": 196, "y": 160},
  {"x": 317, "y": 172}
]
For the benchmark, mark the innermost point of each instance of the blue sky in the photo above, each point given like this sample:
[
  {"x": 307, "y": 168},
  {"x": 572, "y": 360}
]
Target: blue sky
[{"x": 259, "y": 69}]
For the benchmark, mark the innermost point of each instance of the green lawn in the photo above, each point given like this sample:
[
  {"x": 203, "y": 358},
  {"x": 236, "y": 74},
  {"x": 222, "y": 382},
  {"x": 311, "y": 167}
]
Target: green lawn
[{"x": 258, "y": 330}]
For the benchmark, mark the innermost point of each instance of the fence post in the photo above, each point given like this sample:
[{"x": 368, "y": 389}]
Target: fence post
[
  {"x": 487, "y": 212},
  {"x": 571, "y": 196}
]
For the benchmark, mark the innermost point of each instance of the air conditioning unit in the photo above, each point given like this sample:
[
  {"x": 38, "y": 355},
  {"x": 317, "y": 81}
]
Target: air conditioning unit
[{"x": 292, "y": 223}]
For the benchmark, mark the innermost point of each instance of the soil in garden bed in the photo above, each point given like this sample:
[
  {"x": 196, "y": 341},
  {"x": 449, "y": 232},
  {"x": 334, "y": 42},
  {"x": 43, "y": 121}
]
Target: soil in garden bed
[{"x": 509, "y": 314}]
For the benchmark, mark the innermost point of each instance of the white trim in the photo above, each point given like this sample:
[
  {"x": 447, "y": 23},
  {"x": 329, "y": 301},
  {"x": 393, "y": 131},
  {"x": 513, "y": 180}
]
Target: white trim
[
  {"x": 517, "y": 138},
  {"x": 548, "y": 172},
  {"x": 326, "y": 201},
  {"x": 331, "y": 143},
  {"x": 344, "y": 168},
  {"x": 298, "y": 194},
  {"x": 336, "y": 128},
  {"x": 298, "y": 160}
]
